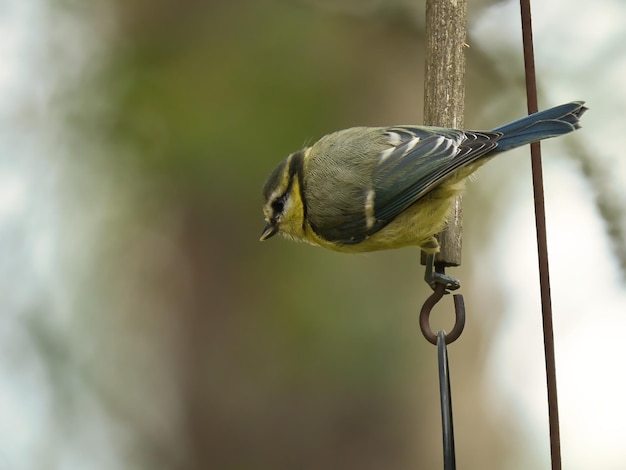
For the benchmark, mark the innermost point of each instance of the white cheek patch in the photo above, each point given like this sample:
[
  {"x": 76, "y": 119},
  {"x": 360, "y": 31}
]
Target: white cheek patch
[
  {"x": 369, "y": 209},
  {"x": 288, "y": 206}
]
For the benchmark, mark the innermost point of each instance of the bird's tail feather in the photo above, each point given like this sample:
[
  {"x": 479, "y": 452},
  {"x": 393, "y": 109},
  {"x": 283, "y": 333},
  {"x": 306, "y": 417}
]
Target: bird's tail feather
[{"x": 542, "y": 125}]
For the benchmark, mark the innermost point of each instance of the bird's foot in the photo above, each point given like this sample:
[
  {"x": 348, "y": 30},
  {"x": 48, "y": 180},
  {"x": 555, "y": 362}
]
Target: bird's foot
[{"x": 433, "y": 277}]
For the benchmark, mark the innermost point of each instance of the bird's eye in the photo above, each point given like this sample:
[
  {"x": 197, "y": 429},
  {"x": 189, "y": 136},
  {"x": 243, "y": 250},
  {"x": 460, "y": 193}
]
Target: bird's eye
[{"x": 278, "y": 205}]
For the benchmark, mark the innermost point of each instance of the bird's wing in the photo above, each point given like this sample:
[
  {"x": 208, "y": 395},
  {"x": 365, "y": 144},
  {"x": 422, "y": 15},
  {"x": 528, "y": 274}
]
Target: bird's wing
[
  {"x": 424, "y": 158},
  {"x": 419, "y": 159}
]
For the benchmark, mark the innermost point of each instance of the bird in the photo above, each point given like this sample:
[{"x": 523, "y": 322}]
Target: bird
[{"x": 377, "y": 188}]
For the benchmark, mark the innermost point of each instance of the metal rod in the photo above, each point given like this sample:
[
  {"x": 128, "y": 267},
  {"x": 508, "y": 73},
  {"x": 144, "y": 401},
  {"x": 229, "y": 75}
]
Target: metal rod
[{"x": 542, "y": 244}]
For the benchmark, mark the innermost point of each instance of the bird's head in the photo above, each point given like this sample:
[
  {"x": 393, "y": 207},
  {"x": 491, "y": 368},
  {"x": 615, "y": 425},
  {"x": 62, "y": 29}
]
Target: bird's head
[{"x": 284, "y": 206}]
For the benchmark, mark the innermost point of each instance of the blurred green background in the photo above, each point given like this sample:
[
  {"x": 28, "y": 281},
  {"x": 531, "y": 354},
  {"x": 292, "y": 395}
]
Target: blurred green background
[
  {"x": 164, "y": 335},
  {"x": 284, "y": 356}
]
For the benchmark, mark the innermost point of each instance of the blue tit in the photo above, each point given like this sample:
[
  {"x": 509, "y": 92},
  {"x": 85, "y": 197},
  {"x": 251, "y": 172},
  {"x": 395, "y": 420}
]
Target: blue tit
[{"x": 376, "y": 188}]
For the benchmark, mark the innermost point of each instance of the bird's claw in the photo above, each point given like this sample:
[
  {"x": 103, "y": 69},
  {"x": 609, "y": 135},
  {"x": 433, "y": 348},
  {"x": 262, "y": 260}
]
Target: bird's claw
[
  {"x": 449, "y": 282},
  {"x": 434, "y": 278}
]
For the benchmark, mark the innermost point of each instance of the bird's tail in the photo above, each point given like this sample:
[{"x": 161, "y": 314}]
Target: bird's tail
[{"x": 542, "y": 125}]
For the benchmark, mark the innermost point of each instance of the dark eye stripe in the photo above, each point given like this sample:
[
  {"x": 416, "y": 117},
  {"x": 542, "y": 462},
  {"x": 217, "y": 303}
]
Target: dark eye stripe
[{"x": 278, "y": 205}]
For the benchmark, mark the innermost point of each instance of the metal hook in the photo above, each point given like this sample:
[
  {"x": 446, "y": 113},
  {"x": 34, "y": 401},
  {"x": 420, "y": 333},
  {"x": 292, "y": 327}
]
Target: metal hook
[
  {"x": 459, "y": 313},
  {"x": 436, "y": 274}
]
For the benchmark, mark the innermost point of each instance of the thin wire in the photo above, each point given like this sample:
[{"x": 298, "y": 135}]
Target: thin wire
[
  {"x": 542, "y": 244},
  {"x": 447, "y": 427}
]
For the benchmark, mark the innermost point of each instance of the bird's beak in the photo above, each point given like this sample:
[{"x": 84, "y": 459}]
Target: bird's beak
[{"x": 269, "y": 231}]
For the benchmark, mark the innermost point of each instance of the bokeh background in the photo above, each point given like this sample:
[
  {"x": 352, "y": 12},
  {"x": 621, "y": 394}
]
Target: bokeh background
[{"x": 142, "y": 324}]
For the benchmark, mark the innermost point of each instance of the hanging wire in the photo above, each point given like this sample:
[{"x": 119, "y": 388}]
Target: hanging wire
[
  {"x": 447, "y": 427},
  {"x": 542, "y": 244}
]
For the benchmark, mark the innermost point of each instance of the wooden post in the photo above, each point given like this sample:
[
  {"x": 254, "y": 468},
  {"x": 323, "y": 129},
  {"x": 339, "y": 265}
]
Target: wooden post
[{"x": 444, "y": 96}]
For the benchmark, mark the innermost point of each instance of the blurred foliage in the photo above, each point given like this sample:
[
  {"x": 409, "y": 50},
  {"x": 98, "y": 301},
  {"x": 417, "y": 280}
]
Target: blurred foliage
[
  {"x": 209, "y": 90},
  {"x": 167, "y": 336},
  {"x": 277, "y": 357},
  {"x": 216, "y": 351}
]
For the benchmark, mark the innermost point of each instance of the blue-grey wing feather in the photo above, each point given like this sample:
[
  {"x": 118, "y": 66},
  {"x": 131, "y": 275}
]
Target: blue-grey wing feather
[{"x": 404, "y": 177}]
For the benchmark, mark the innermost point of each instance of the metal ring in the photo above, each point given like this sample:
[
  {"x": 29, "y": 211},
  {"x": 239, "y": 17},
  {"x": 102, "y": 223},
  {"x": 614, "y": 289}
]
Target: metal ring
[{"x": 459, "y": 313}]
